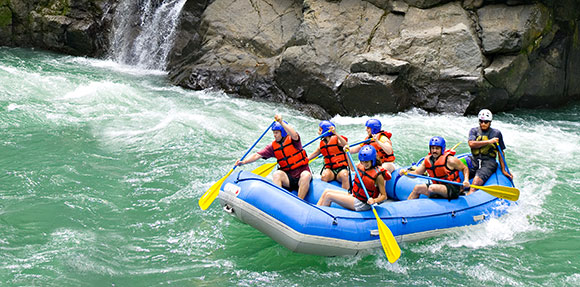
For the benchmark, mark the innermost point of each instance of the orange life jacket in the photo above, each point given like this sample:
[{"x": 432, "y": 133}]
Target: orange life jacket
[
  {"x": 334, "y": 156},
  {"x": 381, "y": 154},
  {"x": 288, "y": 156},
  {"x": 439, "y": 169},
  {"x": 368, "y": 177}
]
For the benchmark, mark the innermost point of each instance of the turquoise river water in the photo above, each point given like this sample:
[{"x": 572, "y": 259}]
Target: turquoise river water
[{"x": 102, "y": 166}]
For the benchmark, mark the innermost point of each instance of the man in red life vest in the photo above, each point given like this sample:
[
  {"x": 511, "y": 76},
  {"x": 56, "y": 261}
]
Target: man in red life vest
[
  {"x": 381, "y": 141},
  {"x": 294, "y": 172},
  {"x": 335, "y": 160},
  {"x": 440, "y": 164}
]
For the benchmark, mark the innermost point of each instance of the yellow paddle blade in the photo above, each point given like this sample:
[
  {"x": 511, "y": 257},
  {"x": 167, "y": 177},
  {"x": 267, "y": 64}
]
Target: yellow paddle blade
[
  {"x": 505, "y": 192},
  {"x": 264, "y": 169},
  {"x": 390, "y": 245},
  {"x": 210, "y": 195},
  {"x": 455, "y": 146}
]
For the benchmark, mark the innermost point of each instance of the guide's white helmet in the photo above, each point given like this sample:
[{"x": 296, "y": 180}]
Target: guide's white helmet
[{"x": 485, "y": 115}]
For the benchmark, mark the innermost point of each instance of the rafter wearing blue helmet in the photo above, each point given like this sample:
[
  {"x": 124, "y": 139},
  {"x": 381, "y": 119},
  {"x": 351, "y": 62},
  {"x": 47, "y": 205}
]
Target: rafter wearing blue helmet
[
  {"x": 332, "y": 148},
  {"x": 293, "y": 171},
  {"x": 439, "y": 164},
  {"x": 373, "y": 177},
  {"x": 381, "y": 141}
]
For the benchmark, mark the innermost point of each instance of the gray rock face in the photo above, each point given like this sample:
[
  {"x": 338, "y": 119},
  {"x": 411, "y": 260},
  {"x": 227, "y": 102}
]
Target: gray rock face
[
  {"x": 76, "y": 27},
  {"x": 348, "y": 57},
  {"x": 510, "y": 29}
]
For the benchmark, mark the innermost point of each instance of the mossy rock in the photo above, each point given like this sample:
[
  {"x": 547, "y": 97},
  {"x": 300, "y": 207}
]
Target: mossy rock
[{"x": 5, "y": 16}]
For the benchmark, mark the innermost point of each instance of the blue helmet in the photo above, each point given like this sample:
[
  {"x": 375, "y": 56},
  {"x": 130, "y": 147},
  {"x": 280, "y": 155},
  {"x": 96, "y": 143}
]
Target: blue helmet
[
  {"x": 438, "y": 141},
  {"x": 325, "y": 126},
  {"x": 375, "y": 125},
  {"x": 368, "y": 152},
  {"x": 278, "y": 127}
]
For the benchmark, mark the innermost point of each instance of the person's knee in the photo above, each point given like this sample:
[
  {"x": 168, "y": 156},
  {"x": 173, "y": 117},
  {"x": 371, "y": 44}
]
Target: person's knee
[{"x": 327, "y": 175}]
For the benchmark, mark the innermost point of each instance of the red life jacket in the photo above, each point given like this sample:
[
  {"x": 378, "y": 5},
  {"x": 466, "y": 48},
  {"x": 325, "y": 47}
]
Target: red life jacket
[
  {"x": 334, "y": 156},
  {"x": 368, "y": 177},
  {"x": 439, "y": 169},
  {"x": 381, "y": 154},
  {"x": 288, "y": 156}
]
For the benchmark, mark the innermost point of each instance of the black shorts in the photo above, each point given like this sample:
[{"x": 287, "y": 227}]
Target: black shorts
[
  {"x": 335, "y": 171},
  {"x": 453, "y": 191},
  {"x": 294, "y": 182},
  {"x": 483, "y": 167}
]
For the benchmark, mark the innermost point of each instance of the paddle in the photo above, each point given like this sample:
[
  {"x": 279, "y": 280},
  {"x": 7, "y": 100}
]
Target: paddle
[
  {"x": 390, "y": 246},
  {"x": 210, "y": 195},
  {"x": 504, "y": 162},
  {"x": 500, "y": 191},
  {"x": 266, "y": 168}
]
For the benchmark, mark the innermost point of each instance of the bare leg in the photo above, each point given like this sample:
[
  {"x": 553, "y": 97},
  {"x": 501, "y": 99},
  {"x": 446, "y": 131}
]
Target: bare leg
[
  {"x": 438, "y": 189},
  {"x": 281, "y": 179},
  {"x": 327, "y": 175},
  {"x": 342, "y": 177},
  {"x": 340, "y": 197},
  {"x": 476, "y": 181},
  {"x": 304, "y": 183},
  {"x": 417, "y": 191}
]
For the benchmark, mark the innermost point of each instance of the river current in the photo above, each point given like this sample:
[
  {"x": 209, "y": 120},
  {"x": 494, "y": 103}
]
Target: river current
[{"x": 102, "y": 165}]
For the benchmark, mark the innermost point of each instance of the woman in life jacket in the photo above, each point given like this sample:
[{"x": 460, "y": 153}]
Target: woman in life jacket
[
  {"x": 381, "y": 141},
  {"x": 293, "y": 171},
  {"x": 335, "y": 160},
  {"x": 443, "y": 165},
  {"x": 373, "y": 177}
]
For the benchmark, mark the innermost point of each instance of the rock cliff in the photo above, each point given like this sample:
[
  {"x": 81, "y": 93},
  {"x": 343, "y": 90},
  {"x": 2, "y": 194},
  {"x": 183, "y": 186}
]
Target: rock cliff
[
  {"x": 349, "y": 57},
  {"x": 355, "y": 57}
]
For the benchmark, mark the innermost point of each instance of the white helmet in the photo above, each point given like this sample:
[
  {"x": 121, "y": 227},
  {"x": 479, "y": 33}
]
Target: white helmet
[{"x": 485, "y": 115}]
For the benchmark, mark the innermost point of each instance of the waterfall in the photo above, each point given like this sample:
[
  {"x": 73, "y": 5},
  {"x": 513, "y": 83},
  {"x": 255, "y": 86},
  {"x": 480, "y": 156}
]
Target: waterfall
[{"x": 144, "y": 31}]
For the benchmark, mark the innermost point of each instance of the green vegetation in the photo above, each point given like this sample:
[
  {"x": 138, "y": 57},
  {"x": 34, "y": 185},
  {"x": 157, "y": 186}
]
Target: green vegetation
[{"x": 5, "y": 16}]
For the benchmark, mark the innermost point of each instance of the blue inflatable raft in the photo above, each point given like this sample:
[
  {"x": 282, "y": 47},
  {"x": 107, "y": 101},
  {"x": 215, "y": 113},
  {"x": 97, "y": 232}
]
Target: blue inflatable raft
[{"x": 302, "y": 226}]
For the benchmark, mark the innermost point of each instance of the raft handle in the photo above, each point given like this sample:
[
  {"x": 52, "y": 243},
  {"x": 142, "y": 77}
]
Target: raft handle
[
  {"x": 403, "y": 220},
  {"x": 453, "y": 213},
  {"x": 374, "y": 232},
  {"x": 228, "y": 209}
]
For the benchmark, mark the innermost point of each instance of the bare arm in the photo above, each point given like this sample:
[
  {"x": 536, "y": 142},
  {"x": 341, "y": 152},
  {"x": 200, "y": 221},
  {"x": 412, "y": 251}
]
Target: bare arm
[
  {"x": 341, "y": 141},
  {"x": 503, "y": 165},
  {"x": 478, "y": 144},
  {"x": 419, "y": 170},
  {"x": 314, "y": 154},
  {"x": 384, "y": 143},
  {"x": 293, "y": 134},
  {"x": 252, "y": 158},
  {"x": 455, "y": 164},
  {"x": 380, "y": 182}
]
